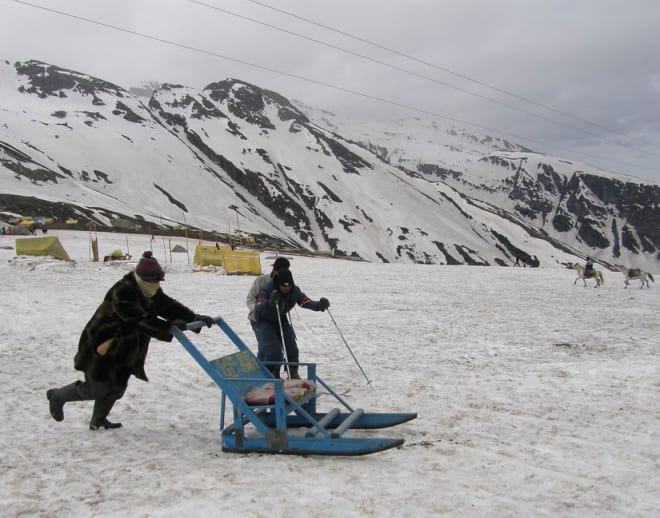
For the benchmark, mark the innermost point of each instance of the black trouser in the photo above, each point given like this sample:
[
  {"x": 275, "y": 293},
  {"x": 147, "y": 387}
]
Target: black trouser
[{"x": 103, "y": 393}]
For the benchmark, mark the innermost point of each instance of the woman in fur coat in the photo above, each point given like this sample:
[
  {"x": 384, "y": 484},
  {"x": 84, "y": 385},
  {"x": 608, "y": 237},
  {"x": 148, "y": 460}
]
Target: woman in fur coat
[{"x": 114, "y": 344}]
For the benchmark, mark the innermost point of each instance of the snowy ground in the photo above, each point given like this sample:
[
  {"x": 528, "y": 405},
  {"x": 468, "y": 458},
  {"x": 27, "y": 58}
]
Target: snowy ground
[{"x": 535, "y": 397}]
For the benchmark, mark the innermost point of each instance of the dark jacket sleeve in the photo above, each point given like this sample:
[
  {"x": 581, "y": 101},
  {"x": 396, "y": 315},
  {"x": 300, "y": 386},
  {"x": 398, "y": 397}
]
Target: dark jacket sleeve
[
  {"x": 168, "y": 310},
  {"x": 305, "y": 302},
  {"x": 155, "y": 328},
  {"x": 155, "y": 323},
  {"x": 264, "y": 311}
]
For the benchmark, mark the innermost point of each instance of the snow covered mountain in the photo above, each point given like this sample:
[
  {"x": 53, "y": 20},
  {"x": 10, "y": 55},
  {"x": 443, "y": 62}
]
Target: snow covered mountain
[
  {"x": 615, "y": 218},
  {"x": 72, "y": 145}
]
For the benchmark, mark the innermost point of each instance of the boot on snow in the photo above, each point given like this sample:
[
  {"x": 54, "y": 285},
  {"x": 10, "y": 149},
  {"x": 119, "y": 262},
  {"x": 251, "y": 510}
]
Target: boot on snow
[
  {"x": 103, "y": 422},
  {"x": 57, "y": 398},
  {"x": 56, "y": 405},
  {"x": 100, "y": 413}
]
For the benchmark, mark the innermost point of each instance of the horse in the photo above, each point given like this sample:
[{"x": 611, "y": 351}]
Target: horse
[
  {"x": 635, "y": 273},
  {"x": 595, "y": 274}
]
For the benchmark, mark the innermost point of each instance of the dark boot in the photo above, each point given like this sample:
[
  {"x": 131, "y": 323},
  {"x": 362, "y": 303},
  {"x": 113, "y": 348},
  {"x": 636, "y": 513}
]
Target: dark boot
[
  {"x": 275, "y": 370},
  {"x": 293, "y": 373},
  {"x": 57, "y": 398},
  {"x": 103, "y": 423},
  {"x": 102, "y": 408}
]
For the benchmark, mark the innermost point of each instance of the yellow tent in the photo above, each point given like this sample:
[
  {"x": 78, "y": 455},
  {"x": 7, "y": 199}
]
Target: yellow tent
[
  {"x": 116, "y": 255},
  {"x": 241, "y": 262},
  {"x": 208, "y": 255},
  {"x": 41, "y": 246},
  {"x": 26, "y": 221},
  {"x": 232, "y": 261}
]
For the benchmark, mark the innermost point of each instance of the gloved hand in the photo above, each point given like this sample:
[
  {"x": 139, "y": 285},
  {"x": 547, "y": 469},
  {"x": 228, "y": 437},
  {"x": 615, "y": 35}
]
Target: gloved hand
[
  {"x": 274, "y": 298},
  {"x": 181, "y": 324},
  {"x": 324, "y": 303},
  {"x": 206, "y": 319}
]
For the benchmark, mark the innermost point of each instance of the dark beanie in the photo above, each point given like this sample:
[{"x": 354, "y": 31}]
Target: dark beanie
[
  {"x": 148, "y": 268},
  {"x": 281, "y": 263},
  {"x": 283, "y": 278}
]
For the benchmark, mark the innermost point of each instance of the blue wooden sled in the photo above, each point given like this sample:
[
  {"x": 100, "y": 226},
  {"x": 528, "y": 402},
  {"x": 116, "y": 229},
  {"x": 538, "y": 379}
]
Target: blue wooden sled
[{"x": 280, "y": 407}]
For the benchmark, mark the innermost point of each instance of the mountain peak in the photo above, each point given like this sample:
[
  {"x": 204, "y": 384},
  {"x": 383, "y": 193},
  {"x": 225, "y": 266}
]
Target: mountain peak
[
  {"x": 46, "y": 80},
  {"x": 249, "y": 102}
]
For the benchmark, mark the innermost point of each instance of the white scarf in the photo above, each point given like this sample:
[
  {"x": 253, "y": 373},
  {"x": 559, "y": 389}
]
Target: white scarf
[{"x": 148, "y": 289}]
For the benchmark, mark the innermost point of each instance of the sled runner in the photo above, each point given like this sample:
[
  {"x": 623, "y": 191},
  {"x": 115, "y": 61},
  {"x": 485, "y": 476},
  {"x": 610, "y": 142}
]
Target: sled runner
[{"x": 266, "y": 408}]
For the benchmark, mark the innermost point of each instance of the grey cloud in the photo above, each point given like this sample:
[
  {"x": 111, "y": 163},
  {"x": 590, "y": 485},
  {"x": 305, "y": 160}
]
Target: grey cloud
[{"x": 595, "y": 60}]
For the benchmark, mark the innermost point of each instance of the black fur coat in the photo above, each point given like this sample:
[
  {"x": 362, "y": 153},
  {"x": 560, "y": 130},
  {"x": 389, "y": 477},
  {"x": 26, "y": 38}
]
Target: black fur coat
[{"x": 131, "y": 319}]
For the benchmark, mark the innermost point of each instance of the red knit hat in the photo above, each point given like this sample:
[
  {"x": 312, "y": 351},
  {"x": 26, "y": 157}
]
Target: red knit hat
[{"x": 148, "y": 268}]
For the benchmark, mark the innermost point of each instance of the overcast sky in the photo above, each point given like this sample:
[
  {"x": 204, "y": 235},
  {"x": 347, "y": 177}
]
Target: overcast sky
[{"x": 595, "y": 63}]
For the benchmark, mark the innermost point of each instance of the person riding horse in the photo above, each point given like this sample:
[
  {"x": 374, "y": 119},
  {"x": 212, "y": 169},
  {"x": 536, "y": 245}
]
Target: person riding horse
[{"x": 589, "y": 268}]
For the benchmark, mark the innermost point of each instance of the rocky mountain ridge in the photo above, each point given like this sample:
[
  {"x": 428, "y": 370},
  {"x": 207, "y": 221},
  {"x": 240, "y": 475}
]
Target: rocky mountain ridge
[{"x": 237, "y": 155}]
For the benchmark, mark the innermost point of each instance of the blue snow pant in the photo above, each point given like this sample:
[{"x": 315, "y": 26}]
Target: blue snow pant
[{"x": 270, "y": 342}]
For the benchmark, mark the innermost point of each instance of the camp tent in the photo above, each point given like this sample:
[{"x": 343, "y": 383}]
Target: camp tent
[
  {"x": 235, "y": 261},
  {"x": 117, "y": 255},
  {"x": 208, "y": 255},
  {"x": 41, "y": 246},
  {"x": 34, "y": 222}
]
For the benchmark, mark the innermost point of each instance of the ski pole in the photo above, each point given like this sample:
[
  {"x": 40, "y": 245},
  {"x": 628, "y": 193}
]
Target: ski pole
[
  {"x": 348, "y": 347},
  {"x": 286, "y": 357}
]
